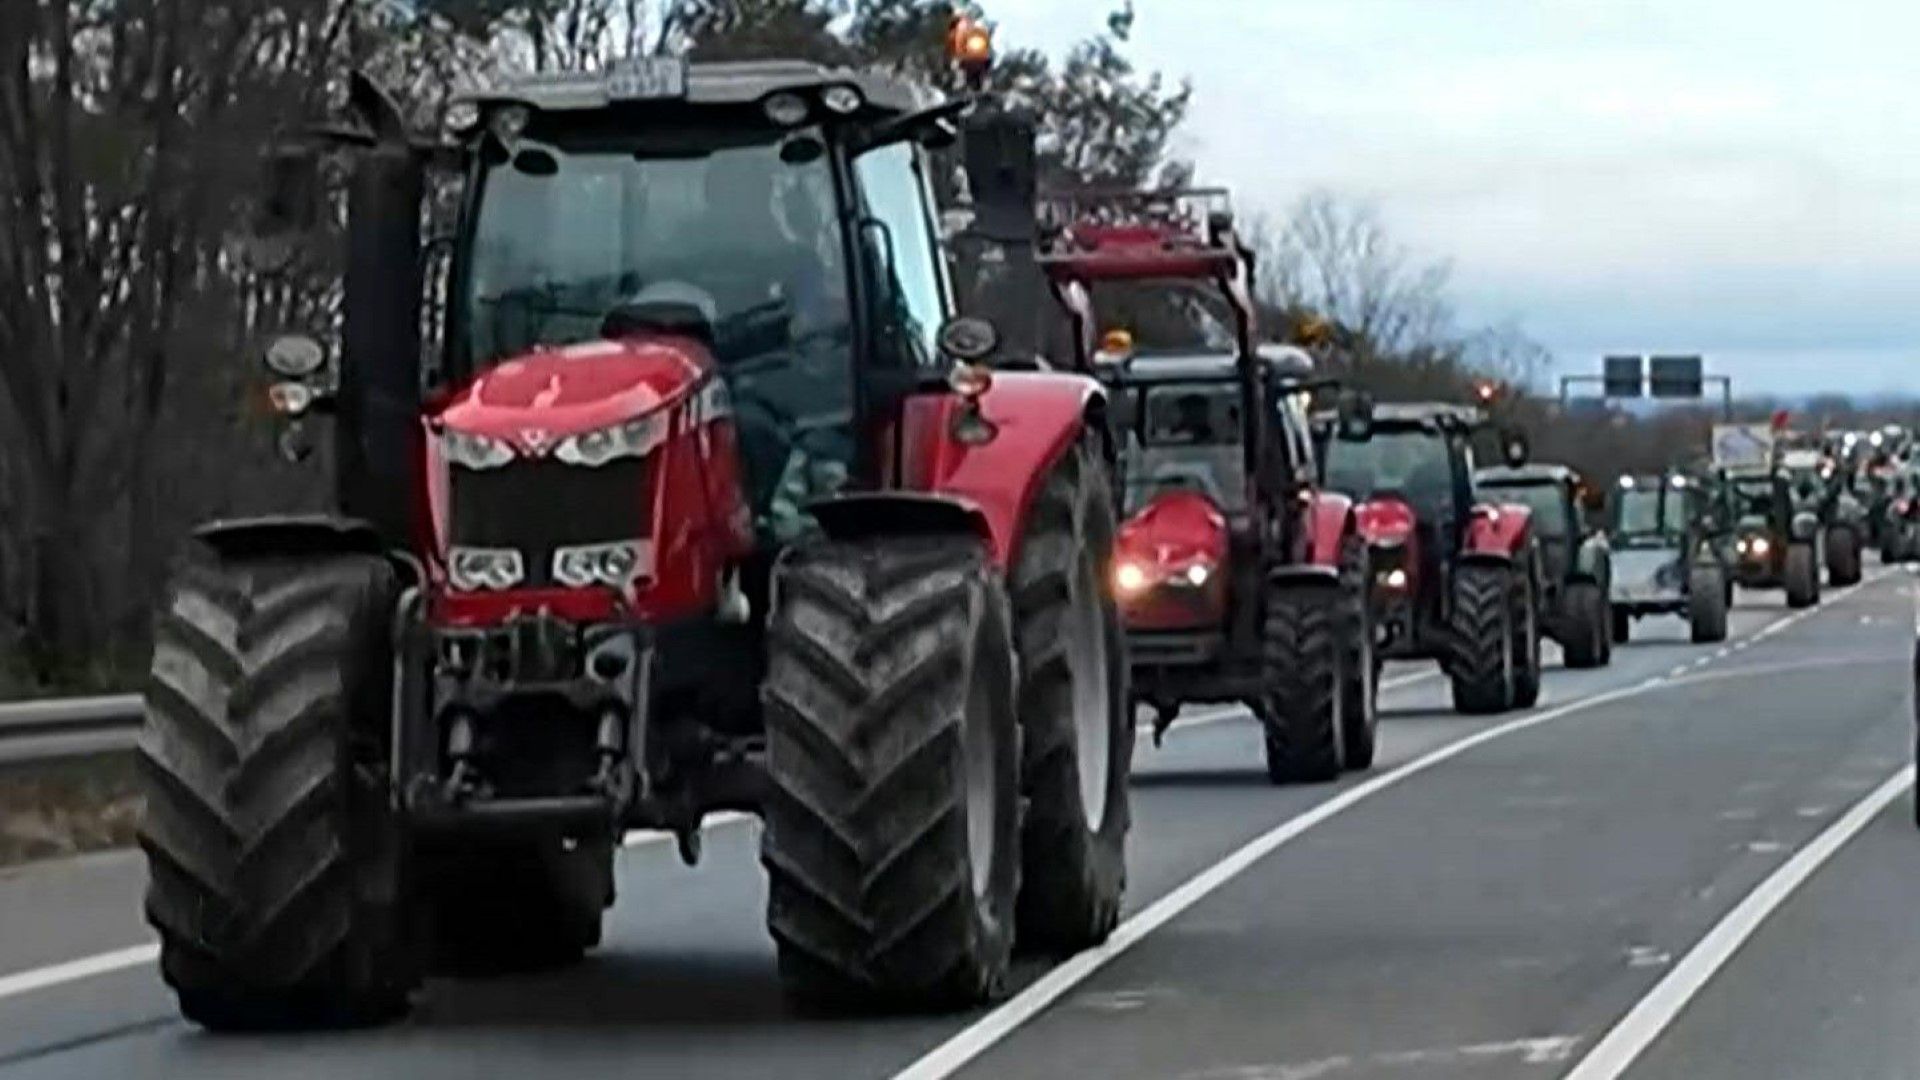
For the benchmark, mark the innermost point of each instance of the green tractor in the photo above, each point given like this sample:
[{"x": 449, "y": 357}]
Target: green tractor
[{"x": 1776, "y": 533}]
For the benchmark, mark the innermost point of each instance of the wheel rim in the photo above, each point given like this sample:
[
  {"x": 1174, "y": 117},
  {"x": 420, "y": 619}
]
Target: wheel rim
[
  {"x": 1092, "y": 695},
  {"x": 979, "y": 754}
]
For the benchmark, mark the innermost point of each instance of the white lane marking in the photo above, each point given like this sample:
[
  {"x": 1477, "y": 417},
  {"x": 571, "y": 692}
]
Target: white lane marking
[
  {"x": 976, "y": 1038},
  {"x": 26, "y": 982},
  {"x": 980, "y": 1036},
  {"x": 1629, "y": 1038},
  {"x": 1676, "y": 671}
]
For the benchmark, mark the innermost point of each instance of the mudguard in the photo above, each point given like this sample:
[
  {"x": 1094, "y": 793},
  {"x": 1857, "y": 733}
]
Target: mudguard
[
  {"x": 1592, "y": 560},
  {"x": 1502, "y": 530},
  {"x": 862, "y": 514},
  {"x": 1033, "y": 419},
  {"x": 1330, "y": 520},
  {"x": 1804, "y": 525},
  {"x": 292, "y": 535}
]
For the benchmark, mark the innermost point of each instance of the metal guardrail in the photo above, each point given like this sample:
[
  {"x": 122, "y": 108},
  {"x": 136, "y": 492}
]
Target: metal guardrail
[{"x": 49, "y": 728}]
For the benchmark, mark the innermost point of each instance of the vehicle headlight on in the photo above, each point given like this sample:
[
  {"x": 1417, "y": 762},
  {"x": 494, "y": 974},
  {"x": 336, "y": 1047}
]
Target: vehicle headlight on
[
  {"x": 1197, "y": 574},
  {"x": 616, "y": 564},
  {"x": 632, "y": 438},
  {"x": 1130, "y": 577},
  {"x": 473, "y": 451},
  {"x": 472, "y": 569},
  {"x": 1395, "y": 578}
]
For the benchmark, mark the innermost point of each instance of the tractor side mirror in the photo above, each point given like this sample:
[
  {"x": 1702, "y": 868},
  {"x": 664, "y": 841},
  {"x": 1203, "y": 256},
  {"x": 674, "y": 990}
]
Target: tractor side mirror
[
  {"x": 969, "y": 339},
  {"x": 1354, "y": 417}
]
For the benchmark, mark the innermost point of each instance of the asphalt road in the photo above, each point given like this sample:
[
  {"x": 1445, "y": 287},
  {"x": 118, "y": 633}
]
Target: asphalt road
[{"x": 1665, "y": 870}]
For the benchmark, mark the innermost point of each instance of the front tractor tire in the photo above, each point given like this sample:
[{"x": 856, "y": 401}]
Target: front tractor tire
[
  {"x": 1485, "y": 639},
  {"x": 892, "y": 815},
  {"x": 1707, "y": 605},
  {"x": 1588, "y": 623},
  {"x": 278, "y": 874},
  {"x": 1526, "y": 645},
  {"x": 1075, "y": 722},
  {"x": 1360, "y": 711},
  {"x": 1802, "y": 575},
  {"x": 1304, "y": 682},
  {"x": 1843, "y": 555}
]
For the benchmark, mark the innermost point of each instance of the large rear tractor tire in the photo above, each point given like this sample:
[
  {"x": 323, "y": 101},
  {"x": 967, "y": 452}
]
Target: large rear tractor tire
[
  {"x": 1587, "y": 626},
  {"x": 892, "y": 817},
  {"x": 1483, "y": 639},
  {"x": 1359, "y": 706},
  {"x": 1707, "y": 605},
  {"x": 1802, "y": 575},
  {"x": 1843, "y": 556},
  {"x": 1526, "y": 647},
  {"x": 1302, "y": 706},
  {"x": 1076, "y": 727},
  {"x": 278, "y": 872},
  {"x": 525, "y": 906}
]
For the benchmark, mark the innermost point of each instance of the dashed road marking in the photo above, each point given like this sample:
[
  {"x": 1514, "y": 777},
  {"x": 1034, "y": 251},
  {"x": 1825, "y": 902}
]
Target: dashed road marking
[{"x": 1628, "y": 1039}]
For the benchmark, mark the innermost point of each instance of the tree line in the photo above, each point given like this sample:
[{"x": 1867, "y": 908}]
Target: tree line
[{"x": 130, "y": 147}]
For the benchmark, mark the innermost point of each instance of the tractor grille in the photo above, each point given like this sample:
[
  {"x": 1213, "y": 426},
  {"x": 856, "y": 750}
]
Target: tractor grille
[{"x": 535, "y": 505}]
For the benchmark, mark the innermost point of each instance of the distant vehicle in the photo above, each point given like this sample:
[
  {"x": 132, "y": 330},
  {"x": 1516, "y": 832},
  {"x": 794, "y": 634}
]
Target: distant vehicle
[
  {"x": 1456, "y": 577},
  {"x": 1669, "y": 555},
  {"x": 1776, "y": 542},
  {"x": 1577, "y": 560}
]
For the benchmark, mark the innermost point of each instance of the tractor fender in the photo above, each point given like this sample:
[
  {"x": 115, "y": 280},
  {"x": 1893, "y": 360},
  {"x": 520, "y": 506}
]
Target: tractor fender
[
  {"x": 859, "y": 515},
  {"x": 1502, "y": 530},
  {"x": 1330, "y": 520},
  {"x": 1804, "y": 525},
  {"x": 1593, "y": 561},
  {"x": 1306, "y": 575},
  {"x": 291, "y": 535},
  {"x": 1033, "y": 419}
]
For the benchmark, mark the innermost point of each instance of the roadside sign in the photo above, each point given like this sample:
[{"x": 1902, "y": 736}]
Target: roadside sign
[
  {"x": 1623, "y": 377},
  {"x": 1673, "y": 376}
]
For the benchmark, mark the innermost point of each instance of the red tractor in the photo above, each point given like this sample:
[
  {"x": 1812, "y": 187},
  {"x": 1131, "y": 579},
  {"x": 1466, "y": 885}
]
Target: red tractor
[
  {"x": 1456, "y": 578},
  {"x": 697, "y": 496},
  {"x": 1239, "y": 580}
]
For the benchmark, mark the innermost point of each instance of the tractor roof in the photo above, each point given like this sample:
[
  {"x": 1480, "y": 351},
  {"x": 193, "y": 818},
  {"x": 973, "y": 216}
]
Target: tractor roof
[
  {"x": 1521, "y": 475},
  {"x": 1175, "y": 367},
  {"x": 1423, "y": 413},
  {"x": 668, "y": 79},
  {"x": 1109, "y": 234}
]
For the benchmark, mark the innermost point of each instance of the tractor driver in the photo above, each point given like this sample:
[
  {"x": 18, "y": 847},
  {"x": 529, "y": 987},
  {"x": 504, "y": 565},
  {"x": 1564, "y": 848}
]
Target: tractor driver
[{"x": 1194, "y": 419}]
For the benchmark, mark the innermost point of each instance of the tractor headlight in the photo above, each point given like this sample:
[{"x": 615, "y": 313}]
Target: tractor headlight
[
  {"x": 474, "y": 451},
  {"x": 616, "y": 564},
  {"x": 1759, "y": 545},
  {"x": 633, "y": 438},
  {"x": 1395, "y": 579},
  {"x": 1129, "y": 577},
  {"x": 1197, "y": 575},
  {"x": 471, "y": 569}
]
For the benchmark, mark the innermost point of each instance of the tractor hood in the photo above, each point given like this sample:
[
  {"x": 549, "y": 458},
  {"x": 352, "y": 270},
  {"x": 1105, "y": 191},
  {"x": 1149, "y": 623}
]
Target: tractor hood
[
  {"x": 549, "y": 393},
  {"x": 1385, "y": 521},
  {"x": 1170, "y": 568},
  {"x": 1173, "y": 531}
]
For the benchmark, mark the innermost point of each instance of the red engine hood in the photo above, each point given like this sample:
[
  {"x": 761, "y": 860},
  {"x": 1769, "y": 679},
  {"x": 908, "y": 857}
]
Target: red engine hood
[
  {"x": 1385, "y": 520},
  {"x": 548, "y": 393},
  {"x": 1174, "y": 530}
]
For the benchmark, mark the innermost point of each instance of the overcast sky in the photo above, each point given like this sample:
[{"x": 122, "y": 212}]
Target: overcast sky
[{"x": 1739, "y": 178}]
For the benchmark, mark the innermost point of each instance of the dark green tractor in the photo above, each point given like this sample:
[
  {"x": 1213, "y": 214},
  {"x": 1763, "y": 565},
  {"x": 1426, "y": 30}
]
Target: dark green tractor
[{"x": 1776, "y": 533}]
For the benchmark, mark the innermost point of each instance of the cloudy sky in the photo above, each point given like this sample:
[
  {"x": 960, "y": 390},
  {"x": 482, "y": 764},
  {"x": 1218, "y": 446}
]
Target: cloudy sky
[{"x": 1739, "y": 178}]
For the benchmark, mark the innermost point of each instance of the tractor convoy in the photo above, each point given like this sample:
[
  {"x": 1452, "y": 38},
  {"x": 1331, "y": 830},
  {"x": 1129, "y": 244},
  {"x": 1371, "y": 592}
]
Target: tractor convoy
[{"x": 757, "y": 437}]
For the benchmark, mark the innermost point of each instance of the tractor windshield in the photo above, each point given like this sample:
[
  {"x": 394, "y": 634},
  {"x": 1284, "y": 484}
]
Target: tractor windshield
[
  {"x": 1412, "y": 463},
  {"x": 1753, "y": 495},
  {"x": 1166, "y": 315},
  {"x": 1546, "y": 502},
  {"x": 708, "y": 220},
  {"x": 1638, "y": 511},
  {"x": 1186, "y": 437}
]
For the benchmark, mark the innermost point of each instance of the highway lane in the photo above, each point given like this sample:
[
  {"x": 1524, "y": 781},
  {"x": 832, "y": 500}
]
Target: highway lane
[
  {"x": 685, "y": 987},
  {"x": 1495, "y": 915}
]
